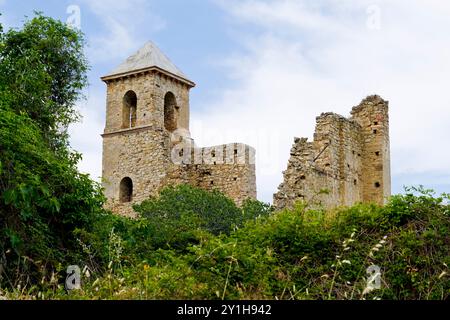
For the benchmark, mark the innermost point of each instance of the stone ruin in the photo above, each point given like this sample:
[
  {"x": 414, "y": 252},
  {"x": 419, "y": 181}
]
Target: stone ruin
[
  {"x": 349, "y": 159},
  {"x": 147, "y": 146}
]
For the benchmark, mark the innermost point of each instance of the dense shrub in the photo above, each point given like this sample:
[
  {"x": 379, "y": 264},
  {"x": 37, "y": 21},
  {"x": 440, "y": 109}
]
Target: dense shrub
[
  {"x": 178, "y": 218},
  {"x": 193, "y": 208}
]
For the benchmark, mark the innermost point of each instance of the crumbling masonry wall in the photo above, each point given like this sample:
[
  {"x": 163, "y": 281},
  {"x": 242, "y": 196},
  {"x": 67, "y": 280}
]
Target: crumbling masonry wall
[
  {"x": 349, "y": 159},
  {"x": 228, "y": 168}
]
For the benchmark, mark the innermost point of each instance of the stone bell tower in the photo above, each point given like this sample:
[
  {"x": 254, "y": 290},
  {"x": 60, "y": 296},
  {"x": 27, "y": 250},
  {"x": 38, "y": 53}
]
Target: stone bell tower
[
  {"x": 147, "y": 100},
  {"x": 147, "y": 143}
]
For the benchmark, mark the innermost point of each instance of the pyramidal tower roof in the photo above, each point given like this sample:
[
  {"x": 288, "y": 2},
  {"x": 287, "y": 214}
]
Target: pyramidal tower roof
[{"x": 146, "y": 58}]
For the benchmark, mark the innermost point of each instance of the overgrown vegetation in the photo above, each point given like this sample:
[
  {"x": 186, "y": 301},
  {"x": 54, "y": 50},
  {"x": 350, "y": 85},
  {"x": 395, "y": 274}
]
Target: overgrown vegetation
[
  {"x": 180, "y": 217},
  {"x": 187, "y": 243},
  {"x": 43, "y": 197},
  {"x": 291, "y": 254}
]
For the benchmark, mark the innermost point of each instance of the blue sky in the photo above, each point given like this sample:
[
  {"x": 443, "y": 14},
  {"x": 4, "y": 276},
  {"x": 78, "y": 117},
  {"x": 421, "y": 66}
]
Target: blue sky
[
  {"x": 265, "y": 69},
  {"x": 192, "y": 33}
]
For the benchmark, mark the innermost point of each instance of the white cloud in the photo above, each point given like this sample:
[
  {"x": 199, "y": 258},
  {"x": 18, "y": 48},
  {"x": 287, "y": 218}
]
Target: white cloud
[
  {"x": 122, "y": 26},
  {"x": 85, "y": 135},
  {"x": 308, "y": 57}
]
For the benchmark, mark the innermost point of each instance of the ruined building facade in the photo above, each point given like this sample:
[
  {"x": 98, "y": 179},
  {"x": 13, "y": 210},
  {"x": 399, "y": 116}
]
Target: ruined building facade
[
  {"x": 147, "y": 143},
  {"x": 349, "y": 158}
]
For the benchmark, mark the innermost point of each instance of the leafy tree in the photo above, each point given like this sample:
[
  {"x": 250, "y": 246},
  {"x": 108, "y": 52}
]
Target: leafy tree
[
  {"x": 42, "y": 74},
  {"x": 43, "y": 197}
]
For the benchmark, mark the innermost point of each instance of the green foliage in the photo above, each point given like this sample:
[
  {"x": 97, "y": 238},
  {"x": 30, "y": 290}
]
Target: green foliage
[
  {"x": 43, "y": 197},
  {"x": 253, "y": 209},
  {"x": 291, "y": 254},
  {"x": 42, "y": 73},
  {"x": 180, "y": 217},
  {"x": 415, "y": 202},
  {"x": 183, "y": 207}
]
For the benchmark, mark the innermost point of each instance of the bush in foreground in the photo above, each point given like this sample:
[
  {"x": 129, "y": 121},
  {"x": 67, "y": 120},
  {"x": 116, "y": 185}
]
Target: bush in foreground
[{"x": 293, "y": 254}]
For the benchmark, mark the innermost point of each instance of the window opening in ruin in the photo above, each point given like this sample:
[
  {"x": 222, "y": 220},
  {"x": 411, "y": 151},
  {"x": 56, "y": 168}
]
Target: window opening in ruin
[
  {"x": 129, "y": 111},
  {"x": 302, "y": 177},
  {"x": 377, "y": 153},
  {"x": 377, "y": 185},
  {"x": 375, "y": 131},
  {"x": 126, "y": 190},
  {"x": 170, "y": 112},
  {"x": 375, "y": 123},
  {"x": 355, "y": 182}
]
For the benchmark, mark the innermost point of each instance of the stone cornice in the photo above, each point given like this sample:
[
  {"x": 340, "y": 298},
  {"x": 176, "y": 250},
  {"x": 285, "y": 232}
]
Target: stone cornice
[
  {"x": 129, "y": 131},
  {"x": 109, "y": 78}
]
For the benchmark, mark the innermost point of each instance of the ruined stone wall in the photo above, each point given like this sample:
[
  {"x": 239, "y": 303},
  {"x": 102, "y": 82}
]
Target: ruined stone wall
[
  {"x": 304, "y": 179},
  {"x": 340, "y": 140},
  {"x": 227, "y": 168},
  {"x": 348, "y": 157},
  {"x": 373, "y": 116}
]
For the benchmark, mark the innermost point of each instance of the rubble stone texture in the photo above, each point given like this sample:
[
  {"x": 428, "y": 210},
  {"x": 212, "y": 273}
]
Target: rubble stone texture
[
  {"x": 349, "y": 159},
  {"x": 147, "y": 144}
]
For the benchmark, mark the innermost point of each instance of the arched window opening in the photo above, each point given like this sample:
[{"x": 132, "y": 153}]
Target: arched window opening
[
  {"x": 129, "y": 110},
  {"x": 126, "y": 190},
  {"x": 170, "y": 112}
]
